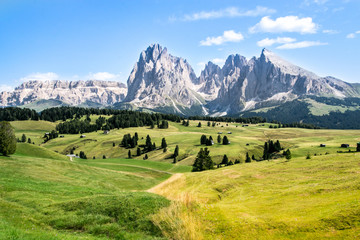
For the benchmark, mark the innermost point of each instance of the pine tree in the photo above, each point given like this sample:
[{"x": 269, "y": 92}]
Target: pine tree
[
  {"x": 219, "y": 139},
  {"x": 187, "y": 123},
  {"x": 7, "y": 139},
  {"x": 266, "y": 152},
  {"x": 129, "y": 154},
  {"x": 175, "y": 160},
  {"x": 248, "y": 159},
  {"x": 225, "y": 160},
  {"x": 148, "y": 144},
  {"x": 225, "y": 140},
  {"x": 253, "y": 157},
  {"x": 23, "y": 138},
  {"x": 176, "y": 152},
  {"x": 288, "y": 154},
  {"x": 199, "y": 125},
  {"x": 203, "y": 140},
  {"x": 203, "y": 161},
  {"x": 138, "y": 151},
  {"x": 29, "y": 140},
  {"x": 277, "y": 146},
  {"x": 163, "y": 143},
  {"x": 308, "y": 156},
  {"x": 208, "y": 124}
]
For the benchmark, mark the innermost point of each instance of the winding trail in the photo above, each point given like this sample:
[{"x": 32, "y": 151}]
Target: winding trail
[{"x": 173, "y": 178}]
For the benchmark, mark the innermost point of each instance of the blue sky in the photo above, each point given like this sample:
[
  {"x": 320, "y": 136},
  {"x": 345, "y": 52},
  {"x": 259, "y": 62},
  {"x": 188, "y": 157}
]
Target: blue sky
[{"x": 102, "y": 39}]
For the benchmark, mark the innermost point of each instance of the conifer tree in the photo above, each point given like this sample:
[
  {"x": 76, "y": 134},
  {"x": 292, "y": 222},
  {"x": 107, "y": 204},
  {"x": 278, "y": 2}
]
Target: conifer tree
[
  {"x": 199, "y": 124},
  {"x": 203, "y": 161},
  {"x": 129, "y": 154},
  {"x": 176, "y": 152},
  {"x": 163, "y": 143},
  {"x": 203, "y": 139},
  {"x": 288, "y": 154},
  {"x": 248, "y": 159},
  {"x": 225, "y": 140},
  {"x": 225, "y": 160},
  {"x": 23, "y": 138},
  {"x": 219, "y": 139},
  {"x": 138, "y": 151}
]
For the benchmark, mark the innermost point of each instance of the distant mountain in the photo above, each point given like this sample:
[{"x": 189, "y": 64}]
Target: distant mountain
[
  {"x": 270, "y": 80},
  {"x": 104, "y": 93},
  {"x": 161, "y": 82}
]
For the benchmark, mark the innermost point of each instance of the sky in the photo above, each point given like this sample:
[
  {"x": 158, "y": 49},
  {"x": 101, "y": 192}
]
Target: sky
[{"x": 102, "y": 39}]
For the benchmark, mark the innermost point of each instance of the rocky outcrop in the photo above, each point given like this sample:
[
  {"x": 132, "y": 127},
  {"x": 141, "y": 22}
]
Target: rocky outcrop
[
  {"x": 160, "y": 81},
  {"x": 70, "y": 92}
]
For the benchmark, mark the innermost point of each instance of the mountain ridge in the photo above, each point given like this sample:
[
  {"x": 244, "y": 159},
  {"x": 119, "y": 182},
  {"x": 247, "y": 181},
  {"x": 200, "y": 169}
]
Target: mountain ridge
[{"x": 162, "y": 82}]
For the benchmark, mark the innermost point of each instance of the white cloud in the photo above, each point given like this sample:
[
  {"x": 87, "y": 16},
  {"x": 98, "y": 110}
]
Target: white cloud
[
  {"x": 6, "y": 88},
  {"x": 353, "y": 35},
  {"x": 104, "y": 76},
  {"x": 350, "y": 35},
  {"x": 40, "y": 77},
  {"x": 267, "y": 42},
  {"x": 228, "y": 36},
  {"x": 303, "y": 44},
  {"x": 285, "y": 24},
  {"x": 228, "y": 12},
  {"x": 329, "y": 31}
]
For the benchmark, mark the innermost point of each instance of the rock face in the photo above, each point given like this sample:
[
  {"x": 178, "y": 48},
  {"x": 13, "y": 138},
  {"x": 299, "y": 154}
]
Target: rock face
[
  {"x": 270, "y": 80},
  {"x": 160, "y": 81},
  {"x": 71, "y": 92}
]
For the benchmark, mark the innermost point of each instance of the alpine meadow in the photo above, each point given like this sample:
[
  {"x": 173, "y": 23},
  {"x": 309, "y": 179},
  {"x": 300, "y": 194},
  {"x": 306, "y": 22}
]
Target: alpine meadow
[{"x": 188, "y": 120}]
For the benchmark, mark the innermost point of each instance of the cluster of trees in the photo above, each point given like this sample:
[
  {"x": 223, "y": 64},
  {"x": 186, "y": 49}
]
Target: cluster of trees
[
  {"x": 163, "y": 125},
  {"x": 14, "y": 114},
  {"x": 186, "y": 123},
  {"x": 24, "y": 139},
  {"x": 206, "y": 141},
  {"x": 270, "y": 148},
  {"x": 63, "y": 113},
  {"x": 76, "y": 126},
  {"x": 82, "y": 155},
  {"x": 203, "y": 161},
  {"x": 253, "y": 120},
  {"x": 7, "y": 139},
  {"x": 51, "y": 135},
  {"x": 287, "y": 154},
  {"x": 130, "y": 142}
]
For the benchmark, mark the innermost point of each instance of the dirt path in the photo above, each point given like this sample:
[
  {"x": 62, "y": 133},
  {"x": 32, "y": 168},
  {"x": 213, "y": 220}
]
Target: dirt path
[{"x": 158, "y": 187}]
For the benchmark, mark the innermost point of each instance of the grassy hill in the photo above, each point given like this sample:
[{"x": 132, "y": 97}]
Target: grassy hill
[
  {"x": 243, "y": 139},
  {"x": 315, "y": 198},
  {"x": 44, "y": 195}
]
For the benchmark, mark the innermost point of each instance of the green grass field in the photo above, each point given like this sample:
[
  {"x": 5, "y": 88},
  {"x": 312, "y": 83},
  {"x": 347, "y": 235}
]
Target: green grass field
[{"x": 44, "y": 195}]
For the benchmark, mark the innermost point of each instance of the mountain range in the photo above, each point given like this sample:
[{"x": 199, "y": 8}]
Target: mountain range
[{"x": 165, "y": 83}]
